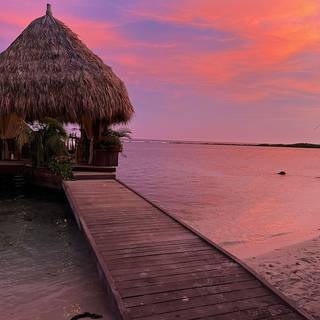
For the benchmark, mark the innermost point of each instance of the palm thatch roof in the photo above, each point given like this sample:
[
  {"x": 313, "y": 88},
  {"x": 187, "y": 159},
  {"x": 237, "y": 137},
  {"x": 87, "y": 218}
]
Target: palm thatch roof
[{"x": 48, "y": 71}]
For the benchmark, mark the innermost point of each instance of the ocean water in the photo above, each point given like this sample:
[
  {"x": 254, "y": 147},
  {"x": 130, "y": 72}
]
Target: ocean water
[
  {"x": 231, "y": 194},
  {"x": 47, "y": 271}
]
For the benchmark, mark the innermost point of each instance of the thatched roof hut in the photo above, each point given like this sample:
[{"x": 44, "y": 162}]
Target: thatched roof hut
[{"x": 48, "y": 71}]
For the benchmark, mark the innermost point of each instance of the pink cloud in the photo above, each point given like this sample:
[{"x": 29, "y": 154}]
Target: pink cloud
[
  {"x": 277, "y": 57},
  {"x": 276, "y": 30}
]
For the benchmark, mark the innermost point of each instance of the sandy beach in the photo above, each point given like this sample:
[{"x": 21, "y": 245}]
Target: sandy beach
[{"x": 295, "y": 271}]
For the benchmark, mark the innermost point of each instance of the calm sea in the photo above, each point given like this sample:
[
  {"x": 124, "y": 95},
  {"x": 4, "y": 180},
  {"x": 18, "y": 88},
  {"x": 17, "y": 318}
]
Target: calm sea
[
  {"x": 231, "y": 194},
  {"x": 47, "y": 271}
]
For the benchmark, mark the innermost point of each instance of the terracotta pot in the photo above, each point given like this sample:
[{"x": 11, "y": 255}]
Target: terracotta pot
[{"x": 105, "y": 158}]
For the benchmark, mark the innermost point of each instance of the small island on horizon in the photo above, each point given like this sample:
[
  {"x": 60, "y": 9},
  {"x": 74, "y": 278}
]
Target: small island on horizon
[{"x": 278, "y": 145}]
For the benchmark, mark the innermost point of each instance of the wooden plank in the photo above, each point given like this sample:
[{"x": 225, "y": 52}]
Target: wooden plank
[
  {"x": 187, "y": 293},
  {"x": 203, "y": 253},
  {"x": 139, "y": 252},
  {"x": 186, "y": 284},
  {"x": 136, "y": 271},
  {"x": 131, "y": 230},
  {"x": 147, "y": 273},
  {"x": 175, "y": 278},
  {"x": 135, "y": 241},
  {"x": 124, "y": 264},
  {"x": 199, "y": 301},
  {"x": 156, "y": 246},
  {"x": 213, "y": 310},
  {"x": 153, "y": 245},
  {"x": 141, "y": 234},
  {"x": 130, "y": 222},
  {"x": 264, "y": 313},
  {"x": 157, "y": 268},
  {"x": 289, "y": 316}
]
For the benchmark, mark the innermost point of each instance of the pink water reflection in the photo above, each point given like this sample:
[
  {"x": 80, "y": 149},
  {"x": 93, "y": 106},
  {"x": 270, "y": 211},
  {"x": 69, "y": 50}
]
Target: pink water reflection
[{"x": 232, "y": 194}]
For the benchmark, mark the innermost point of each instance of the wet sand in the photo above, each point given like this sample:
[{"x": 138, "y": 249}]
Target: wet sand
[{"x": 295, "y": 271}]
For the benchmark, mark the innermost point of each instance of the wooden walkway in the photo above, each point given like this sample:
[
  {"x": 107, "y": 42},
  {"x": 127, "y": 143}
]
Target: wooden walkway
[{"x": 156, "y": 268}]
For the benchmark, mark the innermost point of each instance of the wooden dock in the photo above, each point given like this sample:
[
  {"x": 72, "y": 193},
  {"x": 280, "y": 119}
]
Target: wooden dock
[
  {"x": 11, "y": 167},
  {"x": 157, "y": 268}
]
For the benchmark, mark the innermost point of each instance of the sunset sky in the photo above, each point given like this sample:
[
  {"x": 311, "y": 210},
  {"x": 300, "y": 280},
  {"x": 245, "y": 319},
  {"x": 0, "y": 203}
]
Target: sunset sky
[{"x": 232, "y": 70}]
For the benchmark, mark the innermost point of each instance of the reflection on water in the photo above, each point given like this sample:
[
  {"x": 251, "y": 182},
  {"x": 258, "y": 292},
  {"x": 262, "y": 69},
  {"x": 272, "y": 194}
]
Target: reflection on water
[
  {"x": 47, "y": 272},
  {"x": 231, "y": 194}
]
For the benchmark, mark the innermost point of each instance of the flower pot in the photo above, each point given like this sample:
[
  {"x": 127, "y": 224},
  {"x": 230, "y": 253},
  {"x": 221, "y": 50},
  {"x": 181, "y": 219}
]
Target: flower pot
[{"x": 105, "y": 158}]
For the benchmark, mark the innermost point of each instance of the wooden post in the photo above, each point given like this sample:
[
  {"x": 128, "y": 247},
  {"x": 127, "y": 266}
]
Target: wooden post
[
  {"x": 90, "y": 161},
  {"x": 6, "y": 149},
  {"x": 96, "y": 136},
  {"x": 2, "y": 149}
]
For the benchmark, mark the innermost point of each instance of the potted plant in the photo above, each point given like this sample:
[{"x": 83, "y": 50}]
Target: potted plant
[{"x": 107, "y": 149}]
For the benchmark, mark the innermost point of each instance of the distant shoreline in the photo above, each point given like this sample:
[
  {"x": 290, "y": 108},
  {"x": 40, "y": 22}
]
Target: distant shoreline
[{"x": 276, "y": 145}]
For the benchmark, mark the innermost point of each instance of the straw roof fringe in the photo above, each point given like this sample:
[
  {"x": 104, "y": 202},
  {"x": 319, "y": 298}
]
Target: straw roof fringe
[{"x": 48, "y": 71}]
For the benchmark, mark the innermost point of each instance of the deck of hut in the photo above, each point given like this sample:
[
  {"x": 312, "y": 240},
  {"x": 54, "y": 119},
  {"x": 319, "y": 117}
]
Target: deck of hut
[
  {"x": 156, "y": 268},
  {"x": 11, "y": 167}
]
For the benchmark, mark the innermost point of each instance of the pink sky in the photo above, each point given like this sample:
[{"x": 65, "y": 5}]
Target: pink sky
[{"x": 234, "y": 70}]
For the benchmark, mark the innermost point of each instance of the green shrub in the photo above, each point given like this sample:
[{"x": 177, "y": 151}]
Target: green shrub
[{"x": 61, "y": 167}]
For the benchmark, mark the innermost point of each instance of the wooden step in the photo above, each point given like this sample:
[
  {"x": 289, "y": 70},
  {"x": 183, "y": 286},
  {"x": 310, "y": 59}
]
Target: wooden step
[
  {"x": 88, "y": 168},
  {"x": 90, "y": 175}
]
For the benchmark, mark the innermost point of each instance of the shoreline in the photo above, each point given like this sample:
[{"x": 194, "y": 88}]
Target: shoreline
[
  {"x": 299, "y": 145},
  {"x": 295, "y": 271}
]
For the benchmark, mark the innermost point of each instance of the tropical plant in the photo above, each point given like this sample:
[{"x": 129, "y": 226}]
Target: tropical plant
[
  {"x": 112, "y": 139},
  {"x": 46, "y": 138},
  {"x": 120, "y": 133},
  {"x": 61, "y": 167}
]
